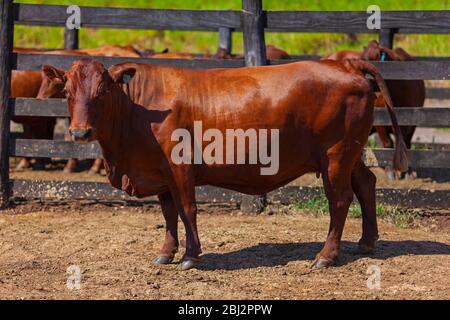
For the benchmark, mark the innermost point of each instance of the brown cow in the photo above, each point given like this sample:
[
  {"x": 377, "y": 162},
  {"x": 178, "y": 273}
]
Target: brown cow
[
  {"x": 274, "y": 53},
  {"x": 173, "y": 55},
  {"x": 104, "y": 51},
  {"x": 404, "y": 93},
  {"x": 343, "y": 54},
  {"x": 323, "y": 111},
  {"x": 26, "y": 84},
  {"x": 113, "y": 51},
  {"x": 52, "y": 52}
]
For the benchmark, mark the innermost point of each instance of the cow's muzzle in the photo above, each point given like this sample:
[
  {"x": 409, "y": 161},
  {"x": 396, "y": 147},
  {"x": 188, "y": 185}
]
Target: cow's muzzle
[{"x": 81, "y": 135}]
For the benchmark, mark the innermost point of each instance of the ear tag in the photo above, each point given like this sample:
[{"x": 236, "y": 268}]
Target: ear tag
[
  {"x": 383, "y": 56},
  {"x": 126, "y": 78}
]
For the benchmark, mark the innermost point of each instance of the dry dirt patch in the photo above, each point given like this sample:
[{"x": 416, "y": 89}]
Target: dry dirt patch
[{"x": 263, "y": 257}]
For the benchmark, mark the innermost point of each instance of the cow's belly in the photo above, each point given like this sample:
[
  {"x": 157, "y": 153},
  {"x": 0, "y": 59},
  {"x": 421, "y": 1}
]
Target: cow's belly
[
  {"x": 256, "y": 184},
  {"x": 247, "y": 178}
]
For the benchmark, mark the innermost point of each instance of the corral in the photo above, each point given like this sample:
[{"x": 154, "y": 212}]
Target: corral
[{"x": 58, "y": 209}]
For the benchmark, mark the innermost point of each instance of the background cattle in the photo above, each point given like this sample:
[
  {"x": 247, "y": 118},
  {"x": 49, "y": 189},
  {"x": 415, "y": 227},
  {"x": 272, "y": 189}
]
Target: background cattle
[
  {"x": 26, "y": 84},
  {"x": 272, "y": 53},
  {"x": 404, "y": 93}
]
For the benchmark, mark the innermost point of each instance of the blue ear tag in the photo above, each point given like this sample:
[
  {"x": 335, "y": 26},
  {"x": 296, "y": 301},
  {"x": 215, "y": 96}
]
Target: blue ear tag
[
  {"x": 126, "y": 78},
  {"x": 383, "y": 56}
]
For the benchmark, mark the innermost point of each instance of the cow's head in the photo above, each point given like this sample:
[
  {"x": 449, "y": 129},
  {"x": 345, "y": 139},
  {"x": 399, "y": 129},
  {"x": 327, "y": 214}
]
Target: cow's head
[
  {"x": 90, "y": 88},
  {"x": 375, "y": 52}
]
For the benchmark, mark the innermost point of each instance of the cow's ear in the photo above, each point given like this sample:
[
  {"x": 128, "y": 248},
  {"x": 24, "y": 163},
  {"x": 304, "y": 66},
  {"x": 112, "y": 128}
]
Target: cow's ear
[
  {"x": 122, "y": 74},
  {"x": 373, "y": 43},
  {"x": 53, "y": 74}
]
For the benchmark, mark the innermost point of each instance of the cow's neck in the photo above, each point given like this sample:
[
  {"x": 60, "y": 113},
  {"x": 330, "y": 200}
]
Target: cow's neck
[{"x": 114, "y": 134}]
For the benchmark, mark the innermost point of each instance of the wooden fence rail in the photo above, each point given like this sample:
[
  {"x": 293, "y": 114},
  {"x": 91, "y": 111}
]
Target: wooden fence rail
[
  {"x": 63, "y": 149},
  {"x": 417, "y": 22},
  {"x": 95, "y": 191},
  {"x": 127, "y": 18},
  {"x": 405, "y": 70},
  {"x": 421, "y": 117}
]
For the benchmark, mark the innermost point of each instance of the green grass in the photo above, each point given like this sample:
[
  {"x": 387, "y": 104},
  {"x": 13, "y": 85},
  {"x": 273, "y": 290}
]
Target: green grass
[
  {"x": 372, "y": 143},
  {"x": 318, "y": 206},
  {"x": 206, "y": 42}
]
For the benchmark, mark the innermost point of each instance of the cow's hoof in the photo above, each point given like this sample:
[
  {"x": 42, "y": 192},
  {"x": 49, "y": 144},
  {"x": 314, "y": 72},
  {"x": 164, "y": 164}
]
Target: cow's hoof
[
  {"x": 322, "y": 263},
  {"x": 163, "y": 260},
  {"x": 189, "y": 263}
]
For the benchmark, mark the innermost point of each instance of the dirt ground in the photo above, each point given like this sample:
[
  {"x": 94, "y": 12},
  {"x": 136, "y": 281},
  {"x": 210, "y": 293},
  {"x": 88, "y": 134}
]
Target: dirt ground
[{"x": 244, "y": 257}]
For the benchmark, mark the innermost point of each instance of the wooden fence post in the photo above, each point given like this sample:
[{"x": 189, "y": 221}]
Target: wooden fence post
[
  {"x": 71, "y": 42},
  {"x": 6, "y": 47},
  {"x": 253, "y": 28},
  {"x": 71, "y": 39},
  {"x": 255, "y": 55},
  {"x": 226, "y": 39},
  {"x": 386, "y": 38}
]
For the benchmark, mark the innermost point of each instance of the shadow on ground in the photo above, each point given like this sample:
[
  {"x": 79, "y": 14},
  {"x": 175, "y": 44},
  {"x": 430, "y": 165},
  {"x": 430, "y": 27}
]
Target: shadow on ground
[{"x": 280, "y": 254}]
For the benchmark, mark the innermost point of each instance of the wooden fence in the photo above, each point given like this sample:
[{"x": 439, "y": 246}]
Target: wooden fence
[{"x": 252, "y": 21}]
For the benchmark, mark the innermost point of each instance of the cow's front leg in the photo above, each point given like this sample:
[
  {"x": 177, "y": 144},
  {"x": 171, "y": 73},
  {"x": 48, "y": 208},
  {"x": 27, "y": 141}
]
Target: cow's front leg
[
  {"x": 183, "y": 194},
  {"x": 170, "y": 246}
]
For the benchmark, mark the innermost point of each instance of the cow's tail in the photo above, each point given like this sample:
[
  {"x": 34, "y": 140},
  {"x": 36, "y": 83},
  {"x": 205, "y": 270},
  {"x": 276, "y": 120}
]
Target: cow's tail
[{"x": 400, "y": 162}]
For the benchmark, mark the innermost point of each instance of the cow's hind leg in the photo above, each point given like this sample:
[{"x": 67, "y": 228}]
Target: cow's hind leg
[
  {"x": 170, "y": 246},
  {"x": 363, "y": 183},
  {"x": 408, "y": 133},
  {"x": 338, "y": 189}
]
